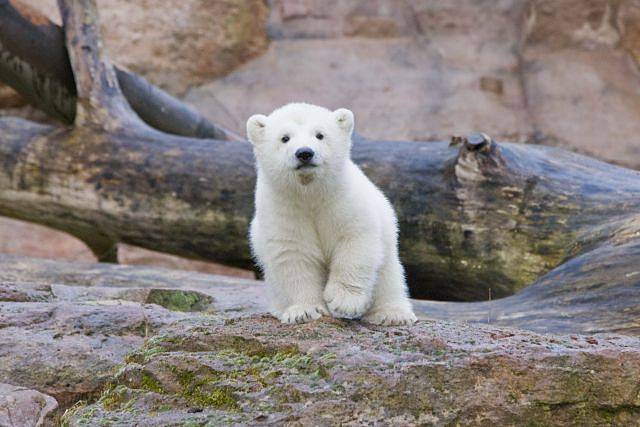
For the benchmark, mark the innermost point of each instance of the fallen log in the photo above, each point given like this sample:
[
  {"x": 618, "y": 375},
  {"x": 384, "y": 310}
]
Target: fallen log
[
  {"x": 479, "y": 220},
  {"x": 34, "y": 61},
  {"x": 596, "y": 292},
  {"x": 467, "y": 232}
]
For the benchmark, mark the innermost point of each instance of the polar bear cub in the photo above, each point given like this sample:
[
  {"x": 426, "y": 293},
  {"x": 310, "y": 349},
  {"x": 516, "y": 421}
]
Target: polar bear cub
[{"x": 324, "y": 235}]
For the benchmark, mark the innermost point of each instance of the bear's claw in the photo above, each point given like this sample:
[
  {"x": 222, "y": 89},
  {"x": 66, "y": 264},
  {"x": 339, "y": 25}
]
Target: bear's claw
[
  {"x": 390, "y": 317},
  {"x": 302, "y": 313}
]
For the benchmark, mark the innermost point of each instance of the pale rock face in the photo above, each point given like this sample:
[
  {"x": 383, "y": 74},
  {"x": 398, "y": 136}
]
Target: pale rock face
[
  {"x": 324, "y": 235},
  {"x": 178, "y": 44}
]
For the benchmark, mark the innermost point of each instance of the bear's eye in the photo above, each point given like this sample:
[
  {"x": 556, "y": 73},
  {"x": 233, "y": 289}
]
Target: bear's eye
[
  {"x": 285, "y": 139},
  {"x": 319, "y": 135}
]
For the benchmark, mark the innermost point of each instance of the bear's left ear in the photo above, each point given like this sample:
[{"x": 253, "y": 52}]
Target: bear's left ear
[
  {"x": 255, "y": 128},
  {"x": 345, "y": 119}
]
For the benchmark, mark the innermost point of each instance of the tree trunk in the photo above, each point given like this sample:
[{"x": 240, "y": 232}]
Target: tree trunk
[{"x": 479, "y": 220}]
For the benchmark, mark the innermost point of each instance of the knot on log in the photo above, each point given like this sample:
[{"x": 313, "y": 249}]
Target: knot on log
[
  {"x": 478, "y": 141},
  {"x": 478, "y": 157},
  {"x": 473, "y": 142}
]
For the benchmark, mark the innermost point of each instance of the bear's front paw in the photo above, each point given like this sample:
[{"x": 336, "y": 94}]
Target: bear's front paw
[
  {"x": 302, "y": 313},
  {"x": 346, "y": 302},
  {"x": 390, "y": 316}
]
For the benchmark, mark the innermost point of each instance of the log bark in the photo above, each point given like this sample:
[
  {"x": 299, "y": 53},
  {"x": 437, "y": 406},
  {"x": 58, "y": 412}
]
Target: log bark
[
  {"x": 479, "y": 219},
  {"x": 596, "y": 292},
  {"x": 474, "y": 223},
  {"x": 34, "y": 61}
]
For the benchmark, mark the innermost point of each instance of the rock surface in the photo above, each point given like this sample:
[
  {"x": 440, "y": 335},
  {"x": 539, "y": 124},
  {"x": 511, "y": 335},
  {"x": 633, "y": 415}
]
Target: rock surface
[
  {"x": 148, "y": 346},
  {"x": 558, "y": 73},
  {"x": 68, "y": 349},
  {"x": 176, "y": 45},
  {"x": 21, "y": 407},
  {"x": 64, "y": 330},
  {"x": 446, "y": 76},
  {"x": 255, "y": 371},
  {"x": 581, "y": 75}
]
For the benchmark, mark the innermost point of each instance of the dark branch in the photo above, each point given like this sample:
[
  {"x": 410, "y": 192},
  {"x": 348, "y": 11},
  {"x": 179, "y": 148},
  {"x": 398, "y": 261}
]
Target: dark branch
[
  {"x": 34, "y": 61},
  {"x": 166, "y": 113}
]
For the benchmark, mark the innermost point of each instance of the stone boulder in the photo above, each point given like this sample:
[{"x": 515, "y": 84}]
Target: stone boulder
[
  {"x": 255, "y": 371},
  {"x": 21, "y": 407},
  {"x": 150, "y": 346},
  {"x": 581, "y": 76}
]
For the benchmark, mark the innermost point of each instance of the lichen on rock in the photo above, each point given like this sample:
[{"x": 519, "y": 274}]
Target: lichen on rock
[
  {"x": 254, "y": 370},
  {"x": 179, "y": 300}
]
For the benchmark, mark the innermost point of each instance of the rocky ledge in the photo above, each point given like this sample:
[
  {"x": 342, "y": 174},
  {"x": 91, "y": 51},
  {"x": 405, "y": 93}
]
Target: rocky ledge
[{"x": 145, "y": 346}]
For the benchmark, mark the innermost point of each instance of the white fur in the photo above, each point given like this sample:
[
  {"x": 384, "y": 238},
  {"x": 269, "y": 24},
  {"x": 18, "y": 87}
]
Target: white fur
[{"x": 326, "y": 238}]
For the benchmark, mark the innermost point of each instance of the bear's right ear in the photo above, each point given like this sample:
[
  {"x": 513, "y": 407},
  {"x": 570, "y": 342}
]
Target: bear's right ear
[
  {"x": 256, "y": 126},
  {"x": 345, "y": 119}
]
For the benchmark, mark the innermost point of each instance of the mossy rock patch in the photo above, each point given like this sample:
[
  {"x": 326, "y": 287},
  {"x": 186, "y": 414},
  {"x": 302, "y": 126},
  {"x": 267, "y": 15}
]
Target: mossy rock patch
[
  {"x": 256, "y": 371},
  {"x": 179, "y": 300}
]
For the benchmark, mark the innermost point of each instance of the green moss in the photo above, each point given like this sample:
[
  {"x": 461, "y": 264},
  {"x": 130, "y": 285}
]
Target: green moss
[
  {"x": 178, "y": 300},
  {"x": 217, "y": 397},
  {"x": 607, "y": 415},
  {"x": 150, "y": 383},
  {"x": 164, "y": 340},
  {"x": 145, "y": 354},
  {"x": 201, "y": 389},
  {"x": 208, "y": 387},
  {"x": 322, "y": 372},
  {"x": 246, "y": 365}
]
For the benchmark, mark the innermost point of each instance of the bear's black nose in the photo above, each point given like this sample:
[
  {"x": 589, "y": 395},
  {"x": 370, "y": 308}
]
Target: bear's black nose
[{"x": 304, "y": 154}]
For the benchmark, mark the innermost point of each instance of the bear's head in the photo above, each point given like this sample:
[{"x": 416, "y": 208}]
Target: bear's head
[{"x": 301, "y": 143}]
